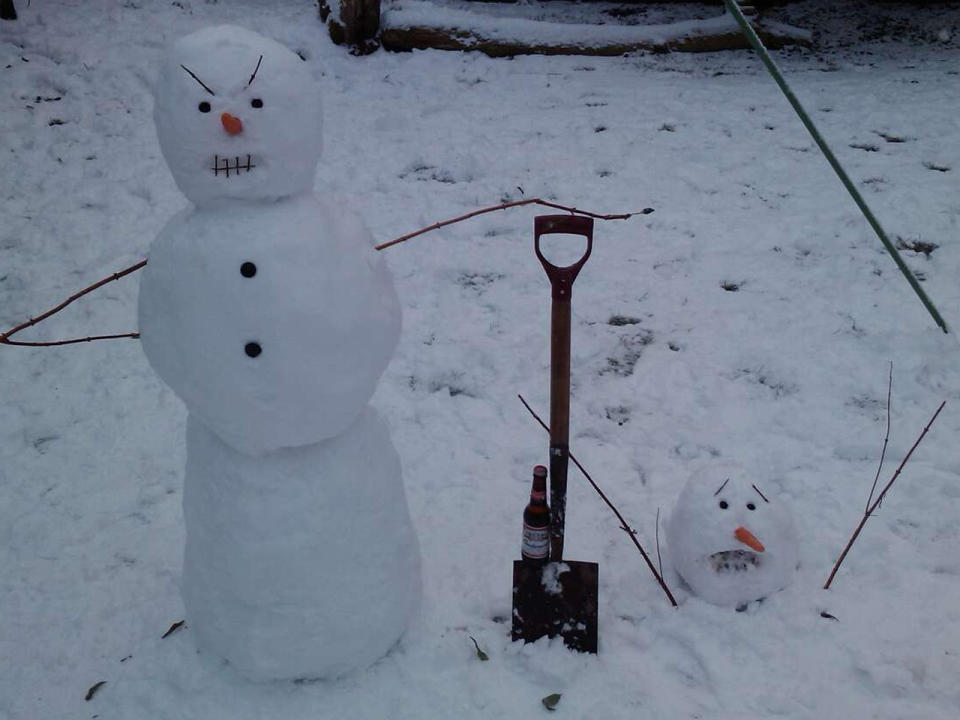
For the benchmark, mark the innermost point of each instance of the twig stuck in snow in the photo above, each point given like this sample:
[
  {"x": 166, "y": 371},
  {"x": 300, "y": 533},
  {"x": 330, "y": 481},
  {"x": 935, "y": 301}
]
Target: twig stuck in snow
[
  {"x": 623, "y": 523},
  {"x": 94, "y": 690},
  {"x": 657, "y": 540},
  {"x": 886, "y": 439},
  {"x": 876, "y": 503},
  {"x": 173, "y": 628}
]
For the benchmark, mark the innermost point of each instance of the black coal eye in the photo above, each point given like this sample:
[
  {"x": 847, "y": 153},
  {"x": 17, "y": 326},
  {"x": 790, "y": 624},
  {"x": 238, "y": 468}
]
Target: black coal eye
[
  {"x": 724, "y": 505},
  {"x": 256, "y": 102},
  {"x": 204, "y": 106},
  {"x": 751, "y": 506}
]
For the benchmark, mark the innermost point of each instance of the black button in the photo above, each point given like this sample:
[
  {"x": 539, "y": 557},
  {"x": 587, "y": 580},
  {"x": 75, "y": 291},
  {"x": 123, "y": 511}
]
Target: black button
[
  {"x": 248, "y": 269},
  {"x": 252, "y": 349}
]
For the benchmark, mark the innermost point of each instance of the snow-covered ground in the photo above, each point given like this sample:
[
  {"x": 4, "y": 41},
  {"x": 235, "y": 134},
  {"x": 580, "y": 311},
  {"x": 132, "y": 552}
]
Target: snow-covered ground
[{"x": 751, "y": 318}]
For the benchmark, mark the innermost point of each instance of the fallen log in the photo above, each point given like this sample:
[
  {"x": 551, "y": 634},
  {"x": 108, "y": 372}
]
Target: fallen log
[{"x": 411, "y": 27}]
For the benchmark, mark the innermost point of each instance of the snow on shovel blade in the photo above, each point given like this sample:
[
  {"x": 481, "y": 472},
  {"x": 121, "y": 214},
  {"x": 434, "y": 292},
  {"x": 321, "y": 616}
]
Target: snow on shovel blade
[{"x": 558, "y": 598}]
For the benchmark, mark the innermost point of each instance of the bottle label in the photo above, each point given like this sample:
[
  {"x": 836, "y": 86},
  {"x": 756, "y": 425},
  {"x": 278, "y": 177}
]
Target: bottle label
[{"x": 536, "y": 542}]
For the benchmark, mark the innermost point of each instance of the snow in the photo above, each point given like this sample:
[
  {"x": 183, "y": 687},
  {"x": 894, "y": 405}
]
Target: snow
[
  {"x": 729, "y": 541},
  {"x": 551, "y": 577},
  {"x": 787, "y": 372}
]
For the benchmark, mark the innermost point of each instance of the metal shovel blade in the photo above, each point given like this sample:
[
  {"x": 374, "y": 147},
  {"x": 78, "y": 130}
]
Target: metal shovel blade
[{"x": 559, "y": 598}]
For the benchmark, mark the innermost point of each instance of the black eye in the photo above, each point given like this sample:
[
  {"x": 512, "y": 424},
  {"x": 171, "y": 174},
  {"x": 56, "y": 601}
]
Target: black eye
[
  {"x": 751, "y": 506},
  {"x": 256, "y": 102},
  {"x": 204, "y": 106},
  {"x": 724, "y": 505}
]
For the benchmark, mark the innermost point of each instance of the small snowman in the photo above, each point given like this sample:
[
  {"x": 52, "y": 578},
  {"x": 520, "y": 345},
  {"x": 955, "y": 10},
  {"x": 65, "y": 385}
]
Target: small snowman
[
  {"x": 729, "y": 541},
  {"x": 267, "y": 311}
]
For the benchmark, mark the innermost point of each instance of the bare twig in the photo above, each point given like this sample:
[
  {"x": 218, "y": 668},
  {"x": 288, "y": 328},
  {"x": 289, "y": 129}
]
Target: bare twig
[
  {"x": 886, "y": 439},
  {"x": 876, "y": 503},
  {"x": 72, "y": 341},
  {"x": 657, "y": 540},
  {"x": 173, "y": 628},
  {"x": 5, "y": 337},
  {"x": 191, "y": 74},
  {"x": 255, "y": 70},
  {"x": 94, "y": 690},
  {"x": 506, "y": 206},
  {"x": 623, "y": 523}
]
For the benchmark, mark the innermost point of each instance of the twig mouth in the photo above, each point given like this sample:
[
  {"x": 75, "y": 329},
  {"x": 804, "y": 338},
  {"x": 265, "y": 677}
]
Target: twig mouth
[
  {"x": 232, "y": 166},
  {"x": 734, "y": 561}
]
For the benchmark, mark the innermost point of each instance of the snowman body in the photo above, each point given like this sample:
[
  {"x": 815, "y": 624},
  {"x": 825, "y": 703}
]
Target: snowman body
[
  {"x": 266, "y": 309},
  {"x": 729, "y": 541}
]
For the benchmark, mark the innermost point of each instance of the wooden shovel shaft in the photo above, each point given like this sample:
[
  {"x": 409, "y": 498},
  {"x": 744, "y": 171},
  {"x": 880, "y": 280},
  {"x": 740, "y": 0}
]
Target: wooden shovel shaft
[
  {"x": 559, "y": 420},
  {"x": 561, "y": 290},
  {"x": 559, "y": 598}
]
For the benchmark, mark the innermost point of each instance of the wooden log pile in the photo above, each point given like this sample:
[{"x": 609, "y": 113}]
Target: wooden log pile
[
  {"x": 454, "y": 38},
  {"x": 419, "y": 25}
]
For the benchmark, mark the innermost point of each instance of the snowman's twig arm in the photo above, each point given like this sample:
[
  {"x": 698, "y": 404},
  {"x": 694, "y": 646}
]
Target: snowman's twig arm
[
  {"x": 506, "y": 206},
  {"x": 623, "y": 523},
  {"x": 876, "y": 503},
  {"x": 5, "y": 337},
  {"x": 72, "y": 341}
]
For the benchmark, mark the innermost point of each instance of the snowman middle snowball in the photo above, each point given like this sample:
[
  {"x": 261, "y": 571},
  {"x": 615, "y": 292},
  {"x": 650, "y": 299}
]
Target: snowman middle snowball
[{"x": 267, "y": 311}]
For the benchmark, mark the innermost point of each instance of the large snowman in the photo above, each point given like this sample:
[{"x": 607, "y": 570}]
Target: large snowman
[
  {"x": 729, "y": 541},
  {"x": 266, "y": 309}
]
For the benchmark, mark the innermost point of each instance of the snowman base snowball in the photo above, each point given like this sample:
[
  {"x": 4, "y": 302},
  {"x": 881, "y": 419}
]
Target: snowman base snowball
[{"x": 315, "y": 580}]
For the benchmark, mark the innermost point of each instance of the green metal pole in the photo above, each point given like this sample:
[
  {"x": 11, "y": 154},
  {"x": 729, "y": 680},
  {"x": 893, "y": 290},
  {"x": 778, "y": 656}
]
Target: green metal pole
[{"x": 755, "y": 41}]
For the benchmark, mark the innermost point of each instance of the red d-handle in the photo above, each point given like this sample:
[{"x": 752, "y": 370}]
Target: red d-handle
[{"x": 561, "y": 278}]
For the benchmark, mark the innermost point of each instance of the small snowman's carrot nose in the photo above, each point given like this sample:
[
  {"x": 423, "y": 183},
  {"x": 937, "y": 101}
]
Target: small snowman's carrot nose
[
  {"x": 748, "y": 539},
  {"x": 231, "y": 124}
]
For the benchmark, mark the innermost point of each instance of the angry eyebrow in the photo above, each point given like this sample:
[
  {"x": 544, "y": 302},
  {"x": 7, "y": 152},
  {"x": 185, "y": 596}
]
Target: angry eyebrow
[
  {"x": 760, "y": 493},
  {"x": 721, "y": 487},
  {"x": 255, "y": 71},
  {"x": 190, "y": 73}
]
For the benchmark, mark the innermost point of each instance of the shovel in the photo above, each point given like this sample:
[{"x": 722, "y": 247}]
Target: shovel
[{"x": 560, "y": 597}]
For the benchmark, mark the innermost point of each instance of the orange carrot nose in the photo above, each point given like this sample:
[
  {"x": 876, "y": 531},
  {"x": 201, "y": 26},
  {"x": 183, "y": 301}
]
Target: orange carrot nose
[
  {"x": 231, "y": 124},
  {"x": 748, "y": 539}
]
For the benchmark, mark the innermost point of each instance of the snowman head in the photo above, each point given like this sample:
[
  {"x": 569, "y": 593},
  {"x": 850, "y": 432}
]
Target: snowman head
[
  {"x": 730, "y": 540},
  {"x": 238, "y": 117}
]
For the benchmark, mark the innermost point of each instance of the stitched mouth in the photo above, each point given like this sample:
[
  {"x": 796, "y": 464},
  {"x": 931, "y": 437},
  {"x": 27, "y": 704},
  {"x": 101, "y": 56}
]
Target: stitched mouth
[
  {"x": 235, "y": 165},
  {"x": 734, "y": 561}
]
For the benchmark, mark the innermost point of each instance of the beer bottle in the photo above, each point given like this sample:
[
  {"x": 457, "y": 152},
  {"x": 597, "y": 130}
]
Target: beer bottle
[{"x": 536, "y": 521}]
